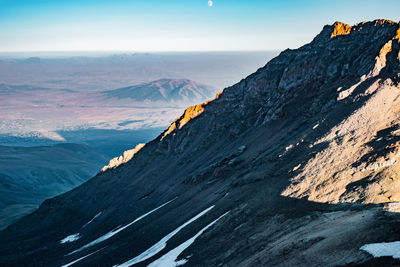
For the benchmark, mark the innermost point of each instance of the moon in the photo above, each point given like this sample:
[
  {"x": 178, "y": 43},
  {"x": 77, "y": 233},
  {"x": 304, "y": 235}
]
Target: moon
[{"x": 210, "y": 3}]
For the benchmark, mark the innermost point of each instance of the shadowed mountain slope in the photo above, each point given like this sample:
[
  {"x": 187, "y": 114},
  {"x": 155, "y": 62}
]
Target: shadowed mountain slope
[
  {"x": 296, "y": 165},
  {"x": 29, "y": 175}
]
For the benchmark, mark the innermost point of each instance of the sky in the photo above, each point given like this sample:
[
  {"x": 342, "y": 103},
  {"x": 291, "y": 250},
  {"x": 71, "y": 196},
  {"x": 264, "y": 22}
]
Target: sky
[{"x": 176, "y": 25}]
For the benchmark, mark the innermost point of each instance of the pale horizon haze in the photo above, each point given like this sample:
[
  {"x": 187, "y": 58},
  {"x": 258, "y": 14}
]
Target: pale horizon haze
[{"x": 176, "y": 25}]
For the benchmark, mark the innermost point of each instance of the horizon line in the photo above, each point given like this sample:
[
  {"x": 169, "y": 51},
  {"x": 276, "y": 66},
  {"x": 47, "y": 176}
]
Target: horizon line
[{"x": 78, "y": 53}]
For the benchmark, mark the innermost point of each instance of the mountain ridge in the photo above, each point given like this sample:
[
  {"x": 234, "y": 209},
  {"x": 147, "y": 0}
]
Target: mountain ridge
[
  {"x": 167, "y": 90},
  {"x": 327, "y": 30}
]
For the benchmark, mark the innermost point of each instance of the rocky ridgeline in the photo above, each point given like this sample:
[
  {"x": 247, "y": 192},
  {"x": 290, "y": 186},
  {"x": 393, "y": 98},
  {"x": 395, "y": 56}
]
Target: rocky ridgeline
[
  {"x": 124, "y": 158},
  {"x": 335, "y": 63}
]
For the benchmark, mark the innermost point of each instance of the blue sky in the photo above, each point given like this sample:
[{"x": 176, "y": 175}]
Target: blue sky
[{"x": 176, "y": 25}]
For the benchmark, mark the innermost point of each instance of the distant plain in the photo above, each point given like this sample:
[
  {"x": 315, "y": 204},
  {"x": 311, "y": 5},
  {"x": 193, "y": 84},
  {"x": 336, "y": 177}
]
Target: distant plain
[{"x": 43, "y": 96}]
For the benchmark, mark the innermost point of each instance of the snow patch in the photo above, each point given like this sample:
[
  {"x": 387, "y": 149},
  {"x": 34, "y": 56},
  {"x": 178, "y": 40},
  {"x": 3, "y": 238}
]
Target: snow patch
[
  {"x": 117, "y": 230},
  {"x": 170, "y": 258},
  {"x": 97, "y": 215},
  {"x": 288, "y": 147},
  {"x": 70, "y": 238},
  {"x": 75, "y": 261},
  {"x": 383, "y": 249},
  {"x": 160, "y": 245}
]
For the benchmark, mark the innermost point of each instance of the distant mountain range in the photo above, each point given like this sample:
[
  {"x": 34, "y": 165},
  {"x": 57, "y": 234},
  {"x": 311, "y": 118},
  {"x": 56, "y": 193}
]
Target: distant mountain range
[
  {"x": 25, "y": 109},
  {"x": 182, "y": 91},
  {"x": 99, "y": 72},
  {"x": 166, "y": 90}
]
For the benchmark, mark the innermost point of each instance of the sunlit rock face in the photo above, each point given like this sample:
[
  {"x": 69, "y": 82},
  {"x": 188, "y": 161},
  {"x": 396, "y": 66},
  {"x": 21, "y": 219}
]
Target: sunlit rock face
[
  {"x": 125, "y": 157},
  {"x": 190, "y": 113},
  {"x": 340, "y": 29},
  {"x": 301, "y": 160}
]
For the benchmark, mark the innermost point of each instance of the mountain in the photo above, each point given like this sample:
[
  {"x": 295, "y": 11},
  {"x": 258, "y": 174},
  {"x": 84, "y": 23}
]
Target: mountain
[
  {"x": 165, "y": 90},
  {"x": 295, "y": 165},
  {"x": 29, "y": 175}
]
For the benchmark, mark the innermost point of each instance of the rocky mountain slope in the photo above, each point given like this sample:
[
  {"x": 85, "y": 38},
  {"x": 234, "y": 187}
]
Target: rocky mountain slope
[
  {"x": 165, "y": 90},
  {"x": 296, "y": 165},
  {"x": 29, "y": 175}
]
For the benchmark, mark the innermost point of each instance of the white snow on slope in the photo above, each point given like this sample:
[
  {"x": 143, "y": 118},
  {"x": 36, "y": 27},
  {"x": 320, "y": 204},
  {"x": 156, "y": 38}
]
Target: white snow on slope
[
  {"x": 74, "y": 237},
  {"x": 170, "y": 258},
  {"x": 97, "y": 215},
  {"x": 75, "y": 261},
  {"x": 117, "y": 230},
  {"x": 160, "y": 245},
  {"x": 383, "y": 249},
  {"x": 70, "y": 238}
]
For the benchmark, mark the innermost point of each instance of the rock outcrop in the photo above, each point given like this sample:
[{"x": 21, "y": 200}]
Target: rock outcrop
[
  {"x": 340, "y": 29},
  {"x": 125, "y": 157},
  {"x": 295, "y": 165}
]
